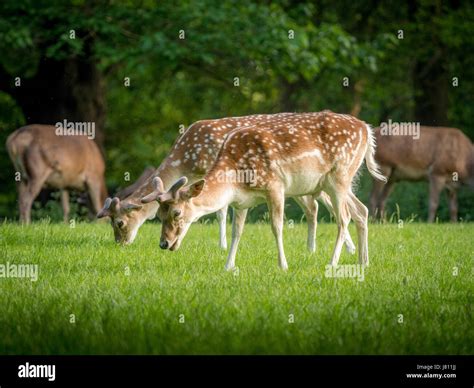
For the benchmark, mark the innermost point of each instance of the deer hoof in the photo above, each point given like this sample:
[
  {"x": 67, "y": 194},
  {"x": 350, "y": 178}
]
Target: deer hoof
[{"x": 351, "y": 249}]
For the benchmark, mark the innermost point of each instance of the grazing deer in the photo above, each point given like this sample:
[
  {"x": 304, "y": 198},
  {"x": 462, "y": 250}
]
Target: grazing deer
[
  {"x": 294, "y": 155},
  {"x": 192, "y": 154},
  {"x": 44, "y": 159},
  {"x": 443, "y": 156}
]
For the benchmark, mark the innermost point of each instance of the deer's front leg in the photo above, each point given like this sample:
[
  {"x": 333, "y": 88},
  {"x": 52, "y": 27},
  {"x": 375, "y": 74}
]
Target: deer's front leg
[
  {"x": 453, "y": 205},
  {"x": 65, "y": 204},
  {"x": 222, "y": 219},
  {"x": 437, "y": 183},
  {"x": 238, "y": 222},
  {"x": 276, "y": 204}
]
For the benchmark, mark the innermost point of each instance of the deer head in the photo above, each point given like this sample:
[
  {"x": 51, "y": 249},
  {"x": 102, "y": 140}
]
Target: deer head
[
  {"x": 176, "y": 210},
  {"x": 125, "y": 218}
]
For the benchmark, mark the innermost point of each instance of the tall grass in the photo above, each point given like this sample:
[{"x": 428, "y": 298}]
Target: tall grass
[{"x": 94, "y": 297}]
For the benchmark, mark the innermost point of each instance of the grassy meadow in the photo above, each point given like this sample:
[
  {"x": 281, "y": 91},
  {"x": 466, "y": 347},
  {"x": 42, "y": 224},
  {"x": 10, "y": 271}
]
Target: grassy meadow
[{"x": 95, "y": 297}]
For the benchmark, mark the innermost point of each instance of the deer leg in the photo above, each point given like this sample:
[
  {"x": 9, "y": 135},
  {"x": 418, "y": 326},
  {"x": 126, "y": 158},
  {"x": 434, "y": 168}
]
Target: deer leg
[
  {"x": 28, "y": 191},
  {"x": 326, "y": 200},
  {"x": 436, "y": 185},
  {"x": 377, "y": 188},
  {"x": 376, "y": 193},
  {"x": 360, "y": 215},
  {"x": 238, "y": 222},
  {"x": 339, "y": 201},
  {"x": 310, "y": 209},
  {"x": 221, "y": 219},
  {"x": 95, "y": 194},
  {"x": 388, "y": 188},
  {"x": 88, "y": 203},
  {"x": 23, "y": 202},
  {"x": 453, "y": 204},
  {"x": 276, "y": 204},
  {"x": 65, "y": 205}
]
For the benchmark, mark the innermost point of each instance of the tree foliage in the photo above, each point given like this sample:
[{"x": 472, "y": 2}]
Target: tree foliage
[{"x": 190, "y": 60}]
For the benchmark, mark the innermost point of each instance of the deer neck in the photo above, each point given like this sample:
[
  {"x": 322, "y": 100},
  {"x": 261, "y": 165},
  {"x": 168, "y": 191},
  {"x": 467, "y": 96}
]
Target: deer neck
[
  {"x": 148, "y": 210},
  {"x": 170, "y": 174},
  {"x": 215, "y": 196}
]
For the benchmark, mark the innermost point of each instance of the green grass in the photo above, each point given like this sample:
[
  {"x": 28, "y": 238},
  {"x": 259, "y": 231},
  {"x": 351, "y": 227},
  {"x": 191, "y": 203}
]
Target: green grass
[{"x": 83, "y": 272}]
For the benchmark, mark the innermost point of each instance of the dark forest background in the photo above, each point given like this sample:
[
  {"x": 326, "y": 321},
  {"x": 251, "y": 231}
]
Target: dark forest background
[{"x": 405, "y": 61}]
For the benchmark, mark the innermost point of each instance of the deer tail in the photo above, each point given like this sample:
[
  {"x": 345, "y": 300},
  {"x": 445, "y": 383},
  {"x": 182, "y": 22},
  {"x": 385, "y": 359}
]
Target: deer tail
[
  {"x": 15, "y": 151},
  {"x": 372, "y": 165}
]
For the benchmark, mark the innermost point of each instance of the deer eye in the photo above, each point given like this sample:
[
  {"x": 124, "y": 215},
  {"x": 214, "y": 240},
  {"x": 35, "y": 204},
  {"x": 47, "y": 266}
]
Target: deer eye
[
  {"x": 120, "y": 224},
  {"x": 176, "y": 213}
]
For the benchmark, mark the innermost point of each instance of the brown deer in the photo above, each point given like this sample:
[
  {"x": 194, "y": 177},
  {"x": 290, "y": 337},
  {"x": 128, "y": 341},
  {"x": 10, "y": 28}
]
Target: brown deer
[
  {"x": 44, "y": 159},
  {"x": 442, "y": 156},
  {"x": 294, "y": 155},
  {"x": 192, "y": 155}
]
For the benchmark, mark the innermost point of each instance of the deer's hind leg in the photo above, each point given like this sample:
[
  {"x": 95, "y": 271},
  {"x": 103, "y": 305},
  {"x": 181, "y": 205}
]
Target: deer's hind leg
[
  {"x": 387, "y": 190},
  {"x": 338, "y": 193},
  {"x": 326, "y": 200},
  {"x": 28, "y": 190},
  {"x": 310, "y": 209},
  {"x": 380, "y": 193},
  {"x": 360, "y": 215},
  {"x": 94, "y": 190}
]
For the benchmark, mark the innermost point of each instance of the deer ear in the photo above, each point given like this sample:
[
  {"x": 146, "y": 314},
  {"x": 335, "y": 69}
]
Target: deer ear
[
  {"x": 115, "y": 205},
  {"x": 174, "y": 192},
  {"x": 178, "y": 184},
  {"x": 105, "y": 212},
  {"x": 196, "y": 188}
]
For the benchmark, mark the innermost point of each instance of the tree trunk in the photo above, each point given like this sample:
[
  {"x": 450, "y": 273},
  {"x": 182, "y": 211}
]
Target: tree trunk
[
  {"x": 357, "y": 90},
  {"x": 431, "y": 84},
  {"x": 71, "y": 89},
  {"x": 287, "y": 96}
]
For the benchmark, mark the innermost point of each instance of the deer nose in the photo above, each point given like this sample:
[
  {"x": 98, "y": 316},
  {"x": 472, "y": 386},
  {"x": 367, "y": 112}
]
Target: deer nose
[{"x": 164, "y": 244}]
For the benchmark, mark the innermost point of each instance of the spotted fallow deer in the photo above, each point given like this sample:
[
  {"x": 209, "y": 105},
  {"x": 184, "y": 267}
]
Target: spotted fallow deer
[
  {"x": 44, "y": 159},
  {"x": 294, "y": 155},
  {"x": 442, "y": 156},
  {"x": 192, "y": 155}
]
